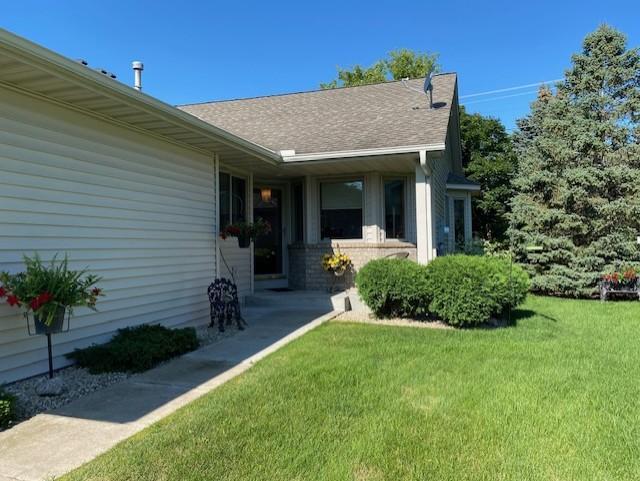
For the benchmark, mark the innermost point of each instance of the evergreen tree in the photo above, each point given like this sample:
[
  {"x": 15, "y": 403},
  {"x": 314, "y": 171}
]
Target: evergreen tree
[{"x": 578, "y": 181}]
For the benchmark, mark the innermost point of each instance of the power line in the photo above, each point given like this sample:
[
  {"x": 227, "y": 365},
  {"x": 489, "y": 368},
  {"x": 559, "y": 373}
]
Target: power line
[
  {"x": 500, "y": 97},
  {"x": 509, "y": 89}
]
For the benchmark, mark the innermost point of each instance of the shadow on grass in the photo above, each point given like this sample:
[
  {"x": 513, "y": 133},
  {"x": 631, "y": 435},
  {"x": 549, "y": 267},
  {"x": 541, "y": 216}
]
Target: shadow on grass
[{"x": 517, "y": 315}]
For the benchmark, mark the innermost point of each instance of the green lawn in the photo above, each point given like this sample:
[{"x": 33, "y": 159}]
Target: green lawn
[{"x": 557, "y": 397}]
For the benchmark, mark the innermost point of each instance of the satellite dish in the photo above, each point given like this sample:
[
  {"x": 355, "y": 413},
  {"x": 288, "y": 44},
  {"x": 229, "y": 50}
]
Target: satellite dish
[{"x": 428, "y": 88}]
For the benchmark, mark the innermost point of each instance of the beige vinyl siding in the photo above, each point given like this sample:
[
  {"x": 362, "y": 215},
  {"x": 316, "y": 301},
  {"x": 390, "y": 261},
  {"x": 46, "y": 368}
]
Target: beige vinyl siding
[
  {"x": 235, "y": 263},
  {"x": 410, "y": 214},
  {"x": 441, "y": 168},
  {"x": 136, "y": 210}
]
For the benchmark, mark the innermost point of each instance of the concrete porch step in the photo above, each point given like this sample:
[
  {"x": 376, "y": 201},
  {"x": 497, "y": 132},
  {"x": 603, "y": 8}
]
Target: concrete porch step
[{"x": 301, "y": 299}]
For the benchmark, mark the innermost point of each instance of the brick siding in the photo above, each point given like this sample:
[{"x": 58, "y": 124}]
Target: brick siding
[{"x": 305, "y": 269}]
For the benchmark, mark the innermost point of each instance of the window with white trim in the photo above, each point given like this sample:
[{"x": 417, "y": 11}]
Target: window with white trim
[
  {"x": 394, "y": 226},
  {"x": 233, "y": 199},
  {"x": 341, "y": 209}
]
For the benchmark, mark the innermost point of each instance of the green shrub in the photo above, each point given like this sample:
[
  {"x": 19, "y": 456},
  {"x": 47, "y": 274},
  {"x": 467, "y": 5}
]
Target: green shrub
[
  {"x": 136, "y": 349},
  {"x": 469, "y": 290},
  {"x": 393, "y": 287},
  {"x": 7, "y": 409},
  {"x": 511, "y": 282}
]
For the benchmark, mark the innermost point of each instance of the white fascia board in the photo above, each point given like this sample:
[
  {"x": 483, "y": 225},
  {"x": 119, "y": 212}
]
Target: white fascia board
[
  {"x": 41, "y": 57},
  {"x": 360, "y": 153}
]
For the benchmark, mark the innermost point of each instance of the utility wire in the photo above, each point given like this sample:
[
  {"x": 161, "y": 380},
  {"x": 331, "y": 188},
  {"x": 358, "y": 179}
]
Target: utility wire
[
  {"x": 518, "y": 87},
  {"x": 500, "y": 97}
]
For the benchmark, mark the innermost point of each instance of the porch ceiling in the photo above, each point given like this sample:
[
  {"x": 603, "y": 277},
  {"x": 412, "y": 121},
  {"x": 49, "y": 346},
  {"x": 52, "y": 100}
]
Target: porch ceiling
[{"x": 392, "y": 164}]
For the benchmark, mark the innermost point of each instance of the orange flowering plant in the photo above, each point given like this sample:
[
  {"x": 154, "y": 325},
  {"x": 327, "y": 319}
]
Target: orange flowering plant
[{"x": 628, "y": 279}]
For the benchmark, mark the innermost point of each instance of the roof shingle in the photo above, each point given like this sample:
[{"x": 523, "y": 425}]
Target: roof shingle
[{"x": 390, "y": 114}]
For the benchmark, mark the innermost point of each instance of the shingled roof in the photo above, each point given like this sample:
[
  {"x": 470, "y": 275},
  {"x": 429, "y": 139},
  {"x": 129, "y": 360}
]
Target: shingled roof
[{"x": 391, "y": 114}]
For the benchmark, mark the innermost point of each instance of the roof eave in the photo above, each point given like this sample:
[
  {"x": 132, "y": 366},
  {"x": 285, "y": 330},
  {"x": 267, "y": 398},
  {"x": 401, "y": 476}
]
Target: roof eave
[
  {"x": 290, "y": 158},
  {"x": 471, "y": 187},
  {"x": 41, "y": 57}
]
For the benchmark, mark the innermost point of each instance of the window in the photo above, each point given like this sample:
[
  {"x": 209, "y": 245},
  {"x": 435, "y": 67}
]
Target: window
[
  {"x": 238, "y": 200},
  {"x": 233, "y": 199},
  {"x": 297, "y": 215},
  {"x": 394, "y": 209},
  {"x": 341, "y": 210},
  {"x": 225, "y": 196}
]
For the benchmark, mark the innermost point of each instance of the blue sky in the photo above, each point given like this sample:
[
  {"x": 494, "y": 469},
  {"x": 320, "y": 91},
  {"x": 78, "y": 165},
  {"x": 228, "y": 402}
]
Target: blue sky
[{"x": 204, "y": 50}]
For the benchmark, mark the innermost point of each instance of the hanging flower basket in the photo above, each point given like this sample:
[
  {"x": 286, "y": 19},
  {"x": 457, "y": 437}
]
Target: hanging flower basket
[
  {"x": 47, "y": 293},
  {"x": 246, "y": 232},
  {"x": 56, "y": 326}
]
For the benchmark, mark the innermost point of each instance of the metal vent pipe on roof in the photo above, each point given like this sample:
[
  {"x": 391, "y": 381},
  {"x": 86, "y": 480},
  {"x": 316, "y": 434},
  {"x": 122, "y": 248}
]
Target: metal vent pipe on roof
[{"x": 138, "y": 67}]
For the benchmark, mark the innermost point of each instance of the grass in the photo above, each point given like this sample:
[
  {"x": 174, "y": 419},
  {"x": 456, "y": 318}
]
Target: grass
[{"x": 554, "y": 398}]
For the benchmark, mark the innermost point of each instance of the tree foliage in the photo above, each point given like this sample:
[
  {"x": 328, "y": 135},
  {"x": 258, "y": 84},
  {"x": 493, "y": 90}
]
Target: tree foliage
[
  {"x": 489, "y": 159},
  {"x": 399, "y": 64},
  {"x": 578, "y": 181}
]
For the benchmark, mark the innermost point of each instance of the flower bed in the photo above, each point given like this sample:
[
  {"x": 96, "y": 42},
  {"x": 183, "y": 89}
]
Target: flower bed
[{"x": 625, "y": 282}]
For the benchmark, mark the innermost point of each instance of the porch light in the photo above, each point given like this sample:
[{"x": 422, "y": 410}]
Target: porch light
[{"x": 265, "y": 195}]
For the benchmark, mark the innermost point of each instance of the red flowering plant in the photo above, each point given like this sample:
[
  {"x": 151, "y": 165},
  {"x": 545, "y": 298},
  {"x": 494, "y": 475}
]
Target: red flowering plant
[
  {"x": 627, "y": 279},
  {"x": 44, "y": 289},
  {"x": 247, "y": 230}
]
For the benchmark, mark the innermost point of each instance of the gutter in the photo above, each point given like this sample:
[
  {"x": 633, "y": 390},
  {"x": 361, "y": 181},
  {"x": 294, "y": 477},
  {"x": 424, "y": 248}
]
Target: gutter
[{"x": 289, "y": 156}]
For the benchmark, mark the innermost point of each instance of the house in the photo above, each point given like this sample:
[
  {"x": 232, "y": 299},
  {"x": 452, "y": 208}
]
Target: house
[
  {"x": 137, "y": 190},
  {"x": 372, "y": 170}
]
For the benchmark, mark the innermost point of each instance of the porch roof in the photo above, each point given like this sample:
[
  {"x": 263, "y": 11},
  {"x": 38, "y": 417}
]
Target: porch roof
[
  {"x": 390, "y": 117},
  {"x": 460, "y": 182}
]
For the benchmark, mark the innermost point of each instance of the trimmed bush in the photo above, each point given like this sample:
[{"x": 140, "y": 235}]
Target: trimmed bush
[
  {"x": 7, "y": 409},
  {"x": 136, "y": 349},
  {"x": 469, "y": 290},
  {"x": 393, "y": 287}
]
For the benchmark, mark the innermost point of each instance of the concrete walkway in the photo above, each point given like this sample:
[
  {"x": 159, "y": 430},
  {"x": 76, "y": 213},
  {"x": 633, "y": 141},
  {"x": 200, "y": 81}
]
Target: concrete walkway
[{"x": 54, "y": 443}]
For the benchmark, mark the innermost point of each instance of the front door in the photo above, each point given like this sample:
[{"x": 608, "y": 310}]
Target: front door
[{"x": 267, "y": 204}]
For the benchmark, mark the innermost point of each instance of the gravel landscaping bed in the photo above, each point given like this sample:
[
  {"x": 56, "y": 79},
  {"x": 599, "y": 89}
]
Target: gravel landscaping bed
[
  {"x": 357, "y": 316},
  {"x": 79, "y": 382}
]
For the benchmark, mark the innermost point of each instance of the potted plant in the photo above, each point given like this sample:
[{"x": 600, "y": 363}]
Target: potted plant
[
  {"x": 619, "y": 282},
  {"x": 246, "y": 232},
  {"x": 49, "y": 291},
  {"x": 336, "y": 263},
  {"x": 627, "y": 280}
]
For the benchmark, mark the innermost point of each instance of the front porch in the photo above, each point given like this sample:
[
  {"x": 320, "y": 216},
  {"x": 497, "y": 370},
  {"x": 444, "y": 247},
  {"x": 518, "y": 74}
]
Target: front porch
[{"x": 404, "y": 207}]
